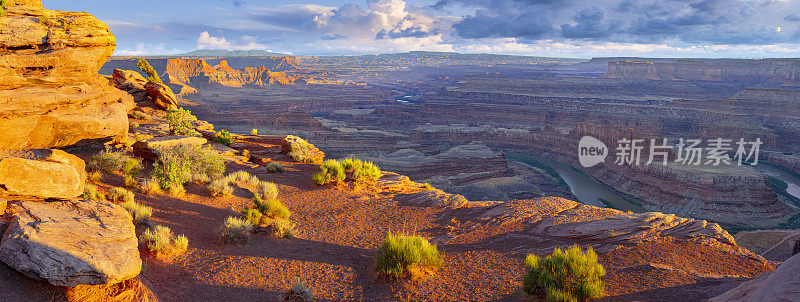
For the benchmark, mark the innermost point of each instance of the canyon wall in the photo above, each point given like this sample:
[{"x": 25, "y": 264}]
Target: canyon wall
[{"x": 774, "y": 71}]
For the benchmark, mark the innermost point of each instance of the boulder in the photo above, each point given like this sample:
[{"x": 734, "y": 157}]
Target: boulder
[
  {"x": 42, "y": 173},
  {"x": 149, "y": 149},
  {"x": 71, "y": 242},
  {"x": 162, "y": 95},
  {"x": 50, "y": 91},
  {"x": 127, "y": 76},
  {"x": 782, "y": 284}
]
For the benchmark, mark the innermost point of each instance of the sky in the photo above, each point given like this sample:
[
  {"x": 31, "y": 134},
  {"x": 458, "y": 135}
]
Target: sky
[{"x": 553, "y": 28}]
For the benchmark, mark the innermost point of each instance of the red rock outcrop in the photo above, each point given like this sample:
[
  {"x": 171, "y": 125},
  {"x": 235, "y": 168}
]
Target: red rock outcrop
[{"x": 50, "y": 91}]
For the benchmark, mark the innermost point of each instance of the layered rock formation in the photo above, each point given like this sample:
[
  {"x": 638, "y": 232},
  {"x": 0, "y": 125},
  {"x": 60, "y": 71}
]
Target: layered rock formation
[
  {"x": 783, "y": 284},
  {"x": 50, "y": 91},
  {"x": 72, "y": 242},
  {"x": 779, "y": 71}
]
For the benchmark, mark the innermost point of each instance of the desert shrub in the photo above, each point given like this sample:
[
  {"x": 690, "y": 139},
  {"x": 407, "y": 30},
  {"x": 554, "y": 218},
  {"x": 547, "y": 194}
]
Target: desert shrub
[
  {"x": 162, "y": 243},
  {"x": 176, "y": 164},
  {"x": 220, "y": 187},
  {"x": 254, "y": 132},
  {"x": 399, "y": 252},
  {"x": 275, "y": 167},
  {"x": 46, "y": 20},
  {"x": 254, "y": 181},
  {"x": 267, "y": 190},
  {"x": 569, "y": 275},
  {"x": 280, "y": 228},
  {"x": 109, "y": 161},
  {"x": 252, "y": 215},
  {"x": 176, "y": 191},
  {"x": 90, "y": 193},
  {"x": 94, "y": 175},
  {"x": 151, "y": 186},
  {"x": 131, "y": 166},
  {"x": 202, "y": 178},
  {"x": 2, "y": 8},
  {"x": 129, "y": 181},
  {"x": 272, "y": 208},
  {"x": 144, "y": 66},
  {"x": 240, "y": 175},
  {"x": 300, "y": 150},
  {"x": 139, "y": 213},
  {"x": 181, "y": 122},
  {"x": 223, "y": 137},
  {"x": 360, "y": 171},
  {"x": 139, "y": 115},
  {"x": 246, "y": 153},
  {"x": 134, "y": 124},
  {"x": 330, "y": 171},
  {"x": 120, "y": 195},
  {"x": 235, "y": 230},
  {"x": 298, "y": 293}
]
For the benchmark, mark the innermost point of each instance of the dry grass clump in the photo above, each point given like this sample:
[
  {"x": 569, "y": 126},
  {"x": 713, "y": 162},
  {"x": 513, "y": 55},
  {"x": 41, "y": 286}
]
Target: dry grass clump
[
  {"x": 275, "y": 167},
  {"x": 272, "y": 208},
  {"x": 400, "y": 254},
  {"x": 90, "y": 192},
  {"x": 252, "y": 215},
  {"x": 134, "y": 124},
  {"x": 235, "y": 230},
  {"x": 139, "y": 214},
  {"x": 246, "y": 153},
  {"x": 111, "y": 161},
  {"x": 298, "y": 293},
  {"x": 151, "y": 186},
  {"x": 120, "y": 195},
  {"x": 139, "y": 115},
  {"x": 95, "y": 176},
  {"x": 220, "y": 187},
  {"x": 161, "y": 243},
  {"x": 267, "y": 190},
  {"x": 330, "y": 171},
  {"x": 569, "y": 275},
  {"x": 299, "y": 149},
  {"x": 280, "y": 228}
]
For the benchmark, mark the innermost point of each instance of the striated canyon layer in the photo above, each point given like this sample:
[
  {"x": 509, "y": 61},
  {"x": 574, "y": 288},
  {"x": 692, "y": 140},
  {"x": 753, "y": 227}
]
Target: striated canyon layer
[
  {"x": 50, "y": 91},
  {"x": 778, "y": 71}
]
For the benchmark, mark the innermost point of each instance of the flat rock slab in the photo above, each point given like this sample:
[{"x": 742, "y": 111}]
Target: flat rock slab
[
  {"x": 783, "y": 284},
  {"x": 73, "y": 242},
  {"x": 149, "y": 149},
  {"x": 42, "y": 173}
]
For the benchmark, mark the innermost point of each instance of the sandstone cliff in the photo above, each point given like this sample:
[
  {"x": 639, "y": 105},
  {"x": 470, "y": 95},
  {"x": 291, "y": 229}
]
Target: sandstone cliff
[
  {"x": 776, "y": 71},
  {"x": 50, "y": 91}
]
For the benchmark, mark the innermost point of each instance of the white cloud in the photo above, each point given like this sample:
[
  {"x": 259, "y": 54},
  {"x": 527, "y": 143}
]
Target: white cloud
[
  {"x": 245, "y": 42},
  {"x": 142, "y": 48}
]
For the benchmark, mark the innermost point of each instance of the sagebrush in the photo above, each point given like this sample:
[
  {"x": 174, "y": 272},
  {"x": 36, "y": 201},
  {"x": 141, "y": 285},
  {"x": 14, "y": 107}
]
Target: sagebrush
[
  {"x": 161, "y": 242},
  {"x": 569, "y": 275},
  {"x": 400, "y": 252}
]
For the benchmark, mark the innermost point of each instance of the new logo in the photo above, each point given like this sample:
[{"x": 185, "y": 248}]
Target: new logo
[{"x": 591, "y": 151}]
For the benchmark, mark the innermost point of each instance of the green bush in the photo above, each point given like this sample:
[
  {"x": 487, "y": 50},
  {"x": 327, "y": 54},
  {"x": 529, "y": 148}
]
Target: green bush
[
  {"x": 360, "y": 171},
  {"x": 111, "y": 161},
  {"x": 144, "y": 66},
  {"x": 162, "y": 243},
  {"x": 272, "y": 208},
  {"x": 275, "y": 167},
  {"x": 399, "y": 252},
  {"x": 570, "y": 275},
  {"x": 181, "y": 122},
  {"x": 139, "y": 213},
  {"x": 330, "y": 171},
  {"x": 177, "y": 164},
  {"x": 298, "y": 293},
  {"x": 300, "y": 150},
  {"x": 2, "y": 8},
  {"x": 350, "y": 169},
  {"x": 129, "y": 181},
  {"x": 120, "y": 195},
  {"x": 223, "y": 137},
  {"x": 252, "y": 215},
  {"x": 267, "y": 190},
  {"x": 90, "y": 193},
  {"x": 134, "y": 124},
  {"x": 235, "y": 230},
  {"x": 220, "y": 188}
]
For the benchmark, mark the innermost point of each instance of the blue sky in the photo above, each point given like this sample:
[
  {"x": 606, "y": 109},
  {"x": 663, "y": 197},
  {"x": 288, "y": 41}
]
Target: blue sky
[{"x": 564, "y": 28}]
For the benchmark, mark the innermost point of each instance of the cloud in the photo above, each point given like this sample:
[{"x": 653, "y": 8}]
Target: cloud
[
  {"x": 590, "y": 22},
  {"x": 207, "y": 41},
  {"x": 142, "y": 48}
]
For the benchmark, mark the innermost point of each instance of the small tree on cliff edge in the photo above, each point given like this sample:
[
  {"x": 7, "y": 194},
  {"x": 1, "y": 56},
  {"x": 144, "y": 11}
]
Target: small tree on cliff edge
[{"x": 152, "y": 75}]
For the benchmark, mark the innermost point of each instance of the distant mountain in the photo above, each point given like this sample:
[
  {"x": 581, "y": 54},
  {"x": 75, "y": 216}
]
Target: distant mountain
[{"x": 231, "y": 53}]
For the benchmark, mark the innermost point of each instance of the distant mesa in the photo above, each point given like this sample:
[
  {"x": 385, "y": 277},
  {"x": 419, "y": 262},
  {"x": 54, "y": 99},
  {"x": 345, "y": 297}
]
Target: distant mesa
[
  {"x": 184, "y": 75},
  {"x": 231, "y": 53},
  {"x": 773, "y": 71}
]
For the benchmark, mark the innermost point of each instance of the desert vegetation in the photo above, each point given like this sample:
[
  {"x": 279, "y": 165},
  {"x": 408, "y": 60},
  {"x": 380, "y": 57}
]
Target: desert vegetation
[
  {"x": 162, "y": 243},
  {"x": 348, "y": 169},
  {"x": 275, "y": 167},
  {"x": 181, "y": 122},
  {"x": 235, "y": 230},
  {"x": 90, "y": 192},
  {"x": 298, "y": 293},
  {"x": 569, "y": 275},
  {"x": 176, "y": 166},
  {"x": 2, "y": 8},
  {"x": 300, "y": 150},
  {"x": 139, "y": 115},
  {"x": 139, "y": 214},
  {"x": 223, "y": 137},
  {"x": 144, "y": 66},
  {"x": 120, "y": 195},
  {"x": 404, "y": 254}
]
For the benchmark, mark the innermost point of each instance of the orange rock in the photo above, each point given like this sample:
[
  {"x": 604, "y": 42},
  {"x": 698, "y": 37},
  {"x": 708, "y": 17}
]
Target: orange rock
[{"x": 162, "y": 95}]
